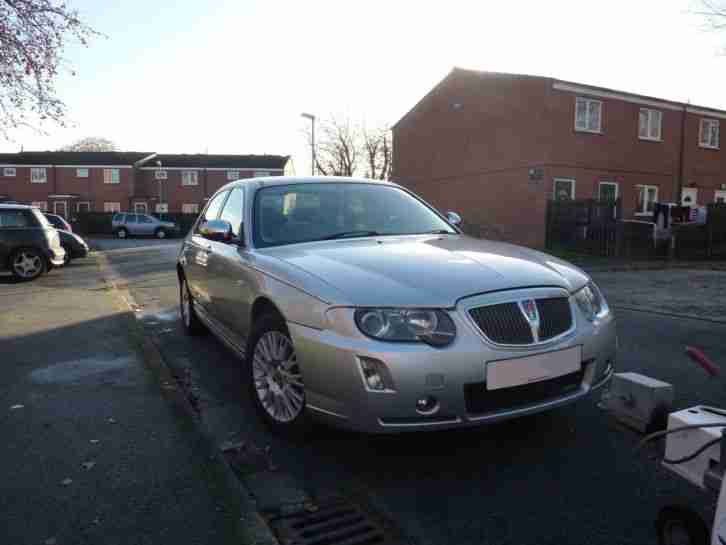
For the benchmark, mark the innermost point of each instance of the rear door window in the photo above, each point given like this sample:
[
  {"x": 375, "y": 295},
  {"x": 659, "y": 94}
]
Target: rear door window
[
  {"x": 14, "y": 219},
  {"x": 130, "y": 218}
]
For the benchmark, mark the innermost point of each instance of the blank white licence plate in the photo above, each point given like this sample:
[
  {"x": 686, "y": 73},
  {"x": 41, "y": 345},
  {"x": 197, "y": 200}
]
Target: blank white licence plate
[{"x": 518, "y": 371}]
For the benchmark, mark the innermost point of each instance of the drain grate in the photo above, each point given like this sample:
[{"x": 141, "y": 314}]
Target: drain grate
[{"x": 336, "y": 524}]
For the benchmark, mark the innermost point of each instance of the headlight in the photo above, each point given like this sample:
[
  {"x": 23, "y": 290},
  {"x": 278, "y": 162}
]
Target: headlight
[
  {"x": 433, "y": 327},
  {"x": 591, "y": 302}
]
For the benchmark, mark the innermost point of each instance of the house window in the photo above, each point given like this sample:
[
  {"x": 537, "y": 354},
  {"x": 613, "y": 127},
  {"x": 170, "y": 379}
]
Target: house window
[
  {"x": 140, "y": 208},
  {"x": 708, "y": 134},
  {"x": 233, "y": 175},
  {"x": 588, "y": 115},
  {"x": 647, "y": 197},
  {"x": 43, "y": 205},
  {"x": 190, "y": 177},
  {"x": 261, "y": 173},
  {"x": 190, "y": 209},
  {"x": 720, "y": 196},
  {"x": 111, "y": 176},
  {"x": 9, "y": 172},
  {"x": 112, "y": 207},
  {"x": 160, "y": 175},
  {"x": 83, "y": 206},
  {"x": 81, "y": 173},
  {"x": 162, "y": 208},
  {"x": 607, "y": 191},
  {"x": 563, "y": 189},
  {"x": 38, "y": 176},
  {"x": 650, "y": 124}
]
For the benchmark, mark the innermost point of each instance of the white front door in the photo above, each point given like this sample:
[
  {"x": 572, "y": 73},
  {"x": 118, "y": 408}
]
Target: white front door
[
  {"x": 689, "y": 196},
  {"x": 140, "y": 208},
  {"x": 60, "y": 208}
]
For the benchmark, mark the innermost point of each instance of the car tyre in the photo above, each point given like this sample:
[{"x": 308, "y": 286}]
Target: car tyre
[
  {"x": 677, "y": 524},
  {"x": 160, "y": 233},
  {"x": 275, "y": 379},
  {"x": 27, "y": 264},
  {"x": 122, "y": 233},
  {"x": 67, "y": 258},
  {"x": 190, "y": 320}
]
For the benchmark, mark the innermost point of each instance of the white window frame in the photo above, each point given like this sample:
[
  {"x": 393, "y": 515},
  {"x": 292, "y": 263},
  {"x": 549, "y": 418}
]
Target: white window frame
[
  {"x": 605, "y": 182},
  {"x": 190, "y": 208},
  {"x": 645, "y": 187},
  {"x": 42, "y": 205},
  {"x": 79, "y": 203},
  {"x": 650, "y": 124},
  {"x": 161, "y": 174},
  {"x": 112, "y": 206},
  {"x": 588, "y": 103},
  {"x": 138, "y": 205},
  {"x": 232, "y": 175},
  {"x": 82, "y": 173},
  {"x": 35, "y": 175},
  {"x": 10, "y": 172},
  {"x": 689, "y": 191},
  {"x": 190, "y": 177},
  {"x": 708, "y": 144},
  {"x": 719, "y": 194},
  {"x": 109, "y": 174},
  {"x": 561, "y": 179},
  {"x": 162, "y": 208},
  {"x": 65, "y": 208}
]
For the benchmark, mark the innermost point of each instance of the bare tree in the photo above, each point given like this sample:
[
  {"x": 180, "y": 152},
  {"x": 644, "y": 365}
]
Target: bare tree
[
  {"x": 378, "y": 153},
  {"x": 715, "y": 13},
  {"x": 346, "y": 148},
  {"x": 337, "y": 147},
  {"x": 33, "y": 34},
  {"x": 91, "y": 143}
]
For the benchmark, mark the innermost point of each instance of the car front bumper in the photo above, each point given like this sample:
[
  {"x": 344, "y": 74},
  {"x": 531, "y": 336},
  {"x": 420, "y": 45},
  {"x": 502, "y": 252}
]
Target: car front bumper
[
  {"x": 455, "y": 376},
  {"x": 56, "y": 256}
]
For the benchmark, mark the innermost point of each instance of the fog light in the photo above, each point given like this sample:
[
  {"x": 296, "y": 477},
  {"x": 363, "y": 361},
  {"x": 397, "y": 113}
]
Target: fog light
[
  {"x": 427, "y": 405},
  {"x": 375, "y": 375}
]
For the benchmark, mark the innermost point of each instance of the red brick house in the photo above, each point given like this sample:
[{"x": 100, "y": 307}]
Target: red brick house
[
  {"x": 69, "y": 182},
  {"x": 496, "y": 147}
]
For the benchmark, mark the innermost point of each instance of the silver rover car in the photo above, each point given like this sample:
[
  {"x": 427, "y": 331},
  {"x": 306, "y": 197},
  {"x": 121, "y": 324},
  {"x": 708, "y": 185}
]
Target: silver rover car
[{"x": 354, "y": 301}]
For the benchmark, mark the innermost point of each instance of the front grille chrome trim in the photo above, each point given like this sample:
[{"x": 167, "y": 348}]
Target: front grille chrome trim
[{"x": 468, "y": 304}]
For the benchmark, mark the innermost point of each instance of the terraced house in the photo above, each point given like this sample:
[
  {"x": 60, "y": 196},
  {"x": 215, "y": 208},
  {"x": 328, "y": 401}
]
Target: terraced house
[
  {"x": 496, "y": 147},
  {"x": 69, "y": 182}
]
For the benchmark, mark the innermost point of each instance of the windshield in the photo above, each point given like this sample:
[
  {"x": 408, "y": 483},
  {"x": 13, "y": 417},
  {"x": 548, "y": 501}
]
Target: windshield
[{"x": 306, "y": 212}]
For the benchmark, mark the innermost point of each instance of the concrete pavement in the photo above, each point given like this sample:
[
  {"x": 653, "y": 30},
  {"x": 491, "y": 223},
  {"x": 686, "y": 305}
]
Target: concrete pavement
[
  {"x": 569, "y": 476},
  {"x": 93, "y": 451}
]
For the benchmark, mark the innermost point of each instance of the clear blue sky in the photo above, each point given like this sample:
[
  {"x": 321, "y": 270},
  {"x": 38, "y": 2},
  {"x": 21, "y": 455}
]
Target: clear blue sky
[{"x": 234, "y": 76}]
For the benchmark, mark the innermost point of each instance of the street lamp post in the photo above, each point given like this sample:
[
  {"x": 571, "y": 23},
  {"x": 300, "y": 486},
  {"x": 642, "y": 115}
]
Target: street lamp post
[
  {"x": 311, "y": 117},
  {"x": 161, "y": 193}
]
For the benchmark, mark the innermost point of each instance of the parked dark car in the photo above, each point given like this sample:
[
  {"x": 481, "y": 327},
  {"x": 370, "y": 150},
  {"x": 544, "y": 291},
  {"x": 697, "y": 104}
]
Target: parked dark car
[
  {"x": 58, "y": 222},
  {"x": 29, "y": 245},
  {"x": 75, "y": 246}
]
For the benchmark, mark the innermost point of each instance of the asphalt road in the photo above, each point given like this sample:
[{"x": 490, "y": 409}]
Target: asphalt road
[{"x": 568, "y": 476}]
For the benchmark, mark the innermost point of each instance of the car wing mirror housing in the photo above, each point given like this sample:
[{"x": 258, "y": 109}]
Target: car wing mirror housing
[
  {"x": 453, "y": 218},
  {"x": 217, "y": 230}
]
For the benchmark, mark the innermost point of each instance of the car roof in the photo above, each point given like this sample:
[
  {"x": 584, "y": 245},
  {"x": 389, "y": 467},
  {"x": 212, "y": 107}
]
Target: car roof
[
  {"x": 16, "y": 207},
  {"x": 286, "y": 180}
]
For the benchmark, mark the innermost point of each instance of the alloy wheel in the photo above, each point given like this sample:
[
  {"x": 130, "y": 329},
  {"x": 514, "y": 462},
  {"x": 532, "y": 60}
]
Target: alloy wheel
[
  {"x": 27, "y": 264},
  {"x": 277, "y": 378},
  {"x": 160, "y": 233}
]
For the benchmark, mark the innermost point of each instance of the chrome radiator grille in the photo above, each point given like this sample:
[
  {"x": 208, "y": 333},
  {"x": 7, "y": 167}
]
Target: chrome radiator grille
[{"x": 506, "y": 323}]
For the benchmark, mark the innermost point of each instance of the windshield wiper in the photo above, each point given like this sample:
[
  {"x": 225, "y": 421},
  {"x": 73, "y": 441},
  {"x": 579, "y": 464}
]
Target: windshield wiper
[{"x": 346, "y": 234}]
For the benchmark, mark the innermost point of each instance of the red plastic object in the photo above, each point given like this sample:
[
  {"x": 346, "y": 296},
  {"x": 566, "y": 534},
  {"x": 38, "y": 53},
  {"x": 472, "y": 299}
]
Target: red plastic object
[{"x": 702, "y": 359}]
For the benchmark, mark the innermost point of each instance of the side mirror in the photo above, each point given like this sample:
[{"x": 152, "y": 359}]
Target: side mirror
[
  {"x": 454, "y": 218},
  {"x": 217, "y": 230}
]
